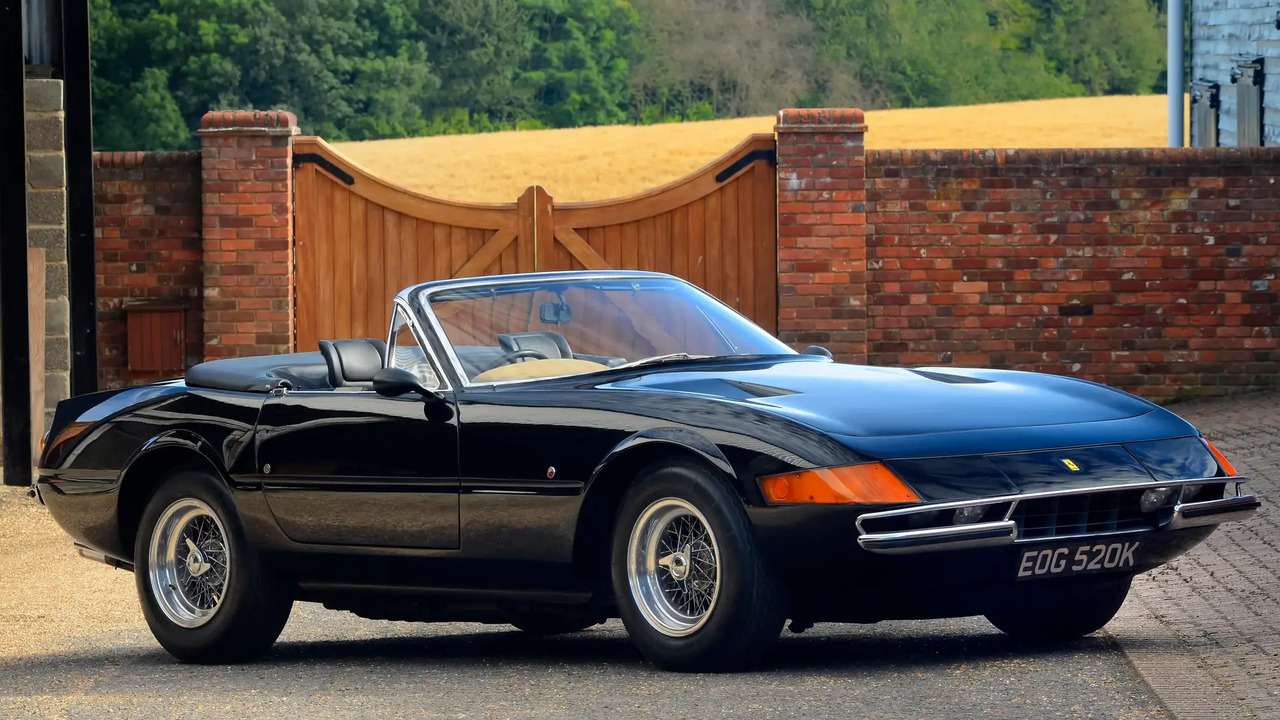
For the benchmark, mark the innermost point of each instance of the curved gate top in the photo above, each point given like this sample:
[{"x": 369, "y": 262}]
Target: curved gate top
[{"x": 360, "y": 238}]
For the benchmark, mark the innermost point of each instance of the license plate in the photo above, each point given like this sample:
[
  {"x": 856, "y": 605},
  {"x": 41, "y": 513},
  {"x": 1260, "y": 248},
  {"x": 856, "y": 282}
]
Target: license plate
[{"x": 1077, "y": 559}]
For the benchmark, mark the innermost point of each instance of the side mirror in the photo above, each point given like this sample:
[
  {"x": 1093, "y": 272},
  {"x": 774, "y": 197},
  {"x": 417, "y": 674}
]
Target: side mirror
[
  {"x": 394, "y": 382},
  {"x": 818, "y": 350}
]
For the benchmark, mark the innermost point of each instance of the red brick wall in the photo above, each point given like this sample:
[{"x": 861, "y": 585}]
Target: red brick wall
[
  {"x": 147, "y": 230},
  {"x": 247, "y": 172},
  {"x": 1152, "y": 270}
]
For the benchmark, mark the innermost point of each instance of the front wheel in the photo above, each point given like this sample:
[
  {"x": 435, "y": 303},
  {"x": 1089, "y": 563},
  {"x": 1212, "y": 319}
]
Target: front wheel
[
  {"x": 692, "y": 586},
  {"x": 204, "y": 592},
  {"x": 1052, "y": 613}
]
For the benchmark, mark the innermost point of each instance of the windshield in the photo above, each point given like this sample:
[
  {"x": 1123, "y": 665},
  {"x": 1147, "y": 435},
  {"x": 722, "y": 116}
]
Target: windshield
[{"x": 564, "y": 327}]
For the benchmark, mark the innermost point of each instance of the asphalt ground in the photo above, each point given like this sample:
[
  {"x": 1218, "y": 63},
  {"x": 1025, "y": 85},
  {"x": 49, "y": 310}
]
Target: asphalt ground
[
  {"x": 330, "y": 665},
  {"x": 73, "y": 644},
  {"x": 1202, "y": 632}
]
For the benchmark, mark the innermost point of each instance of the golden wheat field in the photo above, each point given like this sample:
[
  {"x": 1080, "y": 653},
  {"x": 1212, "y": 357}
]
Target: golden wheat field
[{"x": 603, "y": 162}]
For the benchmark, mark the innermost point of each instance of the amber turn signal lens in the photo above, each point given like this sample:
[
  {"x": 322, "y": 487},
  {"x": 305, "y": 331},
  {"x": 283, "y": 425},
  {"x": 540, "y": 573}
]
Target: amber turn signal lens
[
  {"x": 69, "y": 432},
  {"x": 865, "y": 483},
  {"x": 1227, "y": 467}
]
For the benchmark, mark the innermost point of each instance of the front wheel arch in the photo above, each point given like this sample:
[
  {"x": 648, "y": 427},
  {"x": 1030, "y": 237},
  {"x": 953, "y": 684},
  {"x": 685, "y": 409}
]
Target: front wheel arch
[
  {"x": 144, "y": 474},
  {"x": 591, "y": 546}
]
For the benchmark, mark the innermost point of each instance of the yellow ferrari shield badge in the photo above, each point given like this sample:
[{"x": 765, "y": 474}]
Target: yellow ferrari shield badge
[{"x": 1071, "y": 464}]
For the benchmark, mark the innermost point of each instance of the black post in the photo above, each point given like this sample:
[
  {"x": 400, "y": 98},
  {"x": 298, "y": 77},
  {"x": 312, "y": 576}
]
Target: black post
[
  {"x": 81, "y": 279},
  {"x": 15, "y": 345}
]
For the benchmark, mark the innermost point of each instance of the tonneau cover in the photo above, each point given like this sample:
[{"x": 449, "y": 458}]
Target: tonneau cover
[{"x": 302, "y": 371}]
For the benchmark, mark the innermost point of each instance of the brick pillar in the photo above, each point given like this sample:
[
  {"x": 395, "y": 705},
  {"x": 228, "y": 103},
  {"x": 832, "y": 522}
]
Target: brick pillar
[
  {"x": 822, "y": 228},
  {"x": 247, "y": 238}
]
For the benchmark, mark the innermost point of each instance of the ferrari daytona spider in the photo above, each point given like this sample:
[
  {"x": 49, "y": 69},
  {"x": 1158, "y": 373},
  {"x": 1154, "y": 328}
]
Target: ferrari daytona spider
[{"x": 553, "y": 450}]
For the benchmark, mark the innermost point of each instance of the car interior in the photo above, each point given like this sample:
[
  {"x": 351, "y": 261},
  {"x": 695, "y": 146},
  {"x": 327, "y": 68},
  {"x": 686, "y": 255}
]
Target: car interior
[{"x": 349, "y": 365}]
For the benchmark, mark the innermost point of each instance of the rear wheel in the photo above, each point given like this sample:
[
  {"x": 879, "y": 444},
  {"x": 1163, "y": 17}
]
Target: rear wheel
[
  {"x": 203, "y": 589},
  {"x": 692, "y": 586},
  {"x": 1052, "y": 613}
]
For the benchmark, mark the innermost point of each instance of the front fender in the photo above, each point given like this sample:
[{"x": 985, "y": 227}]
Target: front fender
[{"x": 678, "y": 439}]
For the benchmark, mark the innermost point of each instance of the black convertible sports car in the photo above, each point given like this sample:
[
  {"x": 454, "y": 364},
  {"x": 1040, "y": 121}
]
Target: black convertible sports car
[{"x": 553, "y": 450}]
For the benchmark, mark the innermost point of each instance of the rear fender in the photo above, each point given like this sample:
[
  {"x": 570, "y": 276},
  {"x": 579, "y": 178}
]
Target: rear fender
[{"x": 178, "y": 440}]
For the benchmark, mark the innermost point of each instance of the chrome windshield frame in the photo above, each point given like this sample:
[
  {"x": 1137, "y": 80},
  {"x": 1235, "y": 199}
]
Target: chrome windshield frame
[
  {"x": 418, "y": 298},
  {"x": 401, "y": 305}
]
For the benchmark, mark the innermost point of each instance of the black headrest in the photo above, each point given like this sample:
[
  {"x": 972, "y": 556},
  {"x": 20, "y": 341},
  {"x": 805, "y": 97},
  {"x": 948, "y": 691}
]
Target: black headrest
[
  {"x": 353, "y": 363},
  {"x": 548, "y": 342}
]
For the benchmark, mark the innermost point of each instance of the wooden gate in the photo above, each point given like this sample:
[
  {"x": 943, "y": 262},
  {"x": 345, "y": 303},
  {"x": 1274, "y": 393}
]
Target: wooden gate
[{"x": 360, "y": 239}]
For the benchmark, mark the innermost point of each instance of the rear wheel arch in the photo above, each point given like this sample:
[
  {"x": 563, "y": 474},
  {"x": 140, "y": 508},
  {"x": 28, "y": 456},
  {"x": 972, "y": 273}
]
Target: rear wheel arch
[
  {"x": 146, "y": 471},
  {"x": 609, "y": 483}
]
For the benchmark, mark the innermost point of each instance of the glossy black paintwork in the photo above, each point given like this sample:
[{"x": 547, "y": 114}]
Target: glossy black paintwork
[
  {"x": 368, "y": 491},
  {"x": 355, "y": 468}
]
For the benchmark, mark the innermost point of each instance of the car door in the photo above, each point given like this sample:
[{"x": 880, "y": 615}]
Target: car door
[{"x": 351, "y": 467}]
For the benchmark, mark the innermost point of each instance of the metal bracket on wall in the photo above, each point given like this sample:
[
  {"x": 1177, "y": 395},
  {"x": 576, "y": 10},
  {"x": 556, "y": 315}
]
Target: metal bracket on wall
[
  {"x": 769, "y": 155},
  {"x": 300, "y": 159}
]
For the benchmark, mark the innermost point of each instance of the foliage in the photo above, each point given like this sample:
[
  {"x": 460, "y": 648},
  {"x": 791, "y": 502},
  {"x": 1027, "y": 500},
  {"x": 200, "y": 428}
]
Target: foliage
[{"x": 365, "y": 69}]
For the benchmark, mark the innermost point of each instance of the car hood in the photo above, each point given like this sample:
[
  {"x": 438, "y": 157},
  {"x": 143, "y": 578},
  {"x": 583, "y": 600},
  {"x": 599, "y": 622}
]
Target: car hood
[{"x": 873, "y": 402}]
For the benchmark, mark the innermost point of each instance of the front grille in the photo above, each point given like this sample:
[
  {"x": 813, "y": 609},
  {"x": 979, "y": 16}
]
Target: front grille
[{"x": 1084, "y": 514}]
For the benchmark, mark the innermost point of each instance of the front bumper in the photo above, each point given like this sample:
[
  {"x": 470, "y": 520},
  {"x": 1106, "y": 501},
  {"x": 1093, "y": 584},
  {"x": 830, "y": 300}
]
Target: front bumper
[{"x": 1007, "y": 532}]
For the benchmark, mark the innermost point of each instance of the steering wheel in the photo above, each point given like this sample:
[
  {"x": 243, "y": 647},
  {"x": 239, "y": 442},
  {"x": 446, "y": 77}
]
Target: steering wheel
[{"x": 514, "y": 355}]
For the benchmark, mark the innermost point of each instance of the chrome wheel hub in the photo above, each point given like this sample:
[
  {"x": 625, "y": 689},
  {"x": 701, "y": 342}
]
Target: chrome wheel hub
[
  {"x": 673, "y": 567},
  {"x": 188, "y": 563}
]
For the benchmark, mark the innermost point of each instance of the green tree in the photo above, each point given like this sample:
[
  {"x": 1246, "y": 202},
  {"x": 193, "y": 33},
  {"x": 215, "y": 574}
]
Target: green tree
[
  {"x": 578, "y": 72},
  {"x": 1106, "y": 46}
]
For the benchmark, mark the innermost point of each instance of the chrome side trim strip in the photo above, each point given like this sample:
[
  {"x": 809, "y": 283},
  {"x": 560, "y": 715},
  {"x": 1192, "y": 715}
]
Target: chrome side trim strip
[
  {"x": 957, "y": 537},
  {"x": 953, "y": 504},
  {"x": 1213, "y": 512}
]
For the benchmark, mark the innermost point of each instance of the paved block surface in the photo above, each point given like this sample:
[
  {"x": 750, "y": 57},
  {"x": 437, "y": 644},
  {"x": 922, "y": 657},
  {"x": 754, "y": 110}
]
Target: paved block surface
[{"x": 1204, "y": 630}]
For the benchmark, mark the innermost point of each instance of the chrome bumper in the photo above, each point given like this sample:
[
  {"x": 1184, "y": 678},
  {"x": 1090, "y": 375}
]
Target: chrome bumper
[
  {"x": 960, "y": 537},
  {"x": 1213, "y": 512},
  {"x": 1005, "y": 532}
]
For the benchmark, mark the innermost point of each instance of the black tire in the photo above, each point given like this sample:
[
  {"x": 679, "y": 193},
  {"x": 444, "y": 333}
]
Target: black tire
[
  {"x": 749, "y": 607},
  {"x": 1057, "y": 613},
  {"x": 254, "y": 605}
]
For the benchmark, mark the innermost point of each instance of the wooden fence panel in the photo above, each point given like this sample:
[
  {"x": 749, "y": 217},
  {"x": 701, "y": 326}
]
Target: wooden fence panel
[
  {"x": 360, "y": 239},
  {"x": 716, "y": 228}
]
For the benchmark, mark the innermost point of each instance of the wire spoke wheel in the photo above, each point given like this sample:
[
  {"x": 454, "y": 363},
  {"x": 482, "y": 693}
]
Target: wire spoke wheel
[
  {"x": 189, "y": 563},
  {"x": 673, "y": 566}
]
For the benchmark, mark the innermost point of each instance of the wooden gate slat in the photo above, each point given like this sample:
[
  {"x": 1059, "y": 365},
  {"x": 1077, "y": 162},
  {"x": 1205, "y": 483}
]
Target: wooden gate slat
[
  {"x": 304, "y": 256},
  {"x": 374, "y": 226},
  {"x": 324, "y": 258},
  {"x": 731, "y": 291},
  {"x": 358, "y": 283},
  {"x": 341, "y": 279}
]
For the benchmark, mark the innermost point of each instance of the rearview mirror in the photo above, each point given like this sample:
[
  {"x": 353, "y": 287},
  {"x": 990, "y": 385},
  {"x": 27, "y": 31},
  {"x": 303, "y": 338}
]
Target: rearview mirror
[
  {"x": 819, "y": 351},
  {"x": 555, "y": 313}
]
